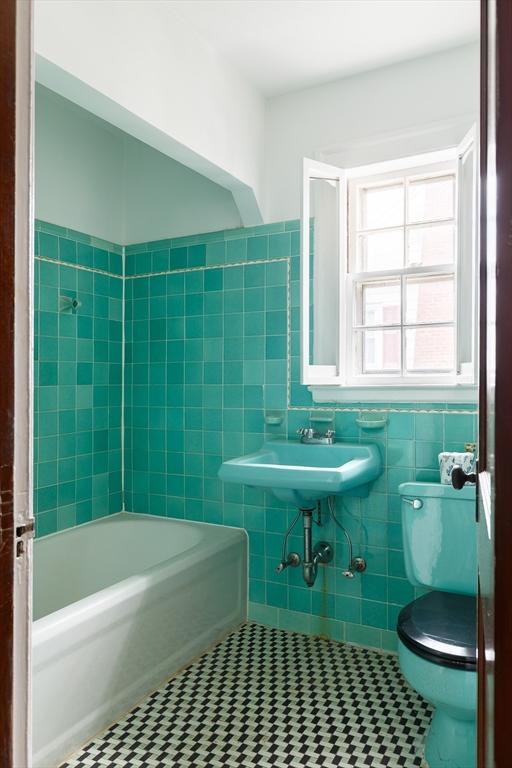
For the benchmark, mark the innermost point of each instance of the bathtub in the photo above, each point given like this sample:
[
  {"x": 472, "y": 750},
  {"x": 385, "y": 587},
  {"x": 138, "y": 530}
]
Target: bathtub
[{"x": 120, "y": 604}]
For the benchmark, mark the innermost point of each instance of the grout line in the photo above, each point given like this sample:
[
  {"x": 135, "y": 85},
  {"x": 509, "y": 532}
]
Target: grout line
[{"x": 123, "y": 367}]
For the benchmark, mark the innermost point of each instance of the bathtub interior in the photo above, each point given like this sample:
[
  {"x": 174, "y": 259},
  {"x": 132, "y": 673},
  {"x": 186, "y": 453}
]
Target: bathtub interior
[{"x": 74, "y": 564}]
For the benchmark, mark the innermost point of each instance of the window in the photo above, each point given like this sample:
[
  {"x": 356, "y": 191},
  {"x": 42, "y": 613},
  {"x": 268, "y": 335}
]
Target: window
[
  {"x": 389, "y": 285},
  {"x": 401, "y": 273}
]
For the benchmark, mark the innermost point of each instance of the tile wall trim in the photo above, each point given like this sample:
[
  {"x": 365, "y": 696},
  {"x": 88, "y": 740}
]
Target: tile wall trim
[
  {"x": 206, "y": 267},
  {"x": 78, "y": 266}
]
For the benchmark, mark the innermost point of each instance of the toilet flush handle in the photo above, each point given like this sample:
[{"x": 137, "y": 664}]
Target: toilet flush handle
[{"x": 415, "y": 503}]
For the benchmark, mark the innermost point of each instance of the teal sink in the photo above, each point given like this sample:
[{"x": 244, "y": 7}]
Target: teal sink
[{"x": 301, "y": 474}]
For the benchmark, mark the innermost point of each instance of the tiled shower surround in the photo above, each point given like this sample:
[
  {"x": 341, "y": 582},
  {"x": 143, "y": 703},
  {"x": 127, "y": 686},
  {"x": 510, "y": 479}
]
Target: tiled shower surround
[
  {"x": 78, "y": 377},
  {"x": 211, "y": 349}
]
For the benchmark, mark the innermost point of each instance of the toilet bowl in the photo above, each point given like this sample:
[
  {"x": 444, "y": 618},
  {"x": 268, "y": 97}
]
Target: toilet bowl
[{"x": 437, "y": 631}]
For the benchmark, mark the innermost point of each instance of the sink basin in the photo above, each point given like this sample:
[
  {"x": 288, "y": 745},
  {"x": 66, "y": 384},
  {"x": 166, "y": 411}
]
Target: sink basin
[{"x": 301, "y": 473}]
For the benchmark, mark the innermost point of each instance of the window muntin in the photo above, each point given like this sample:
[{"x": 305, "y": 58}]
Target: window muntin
[{"x": 402, "y": 274}]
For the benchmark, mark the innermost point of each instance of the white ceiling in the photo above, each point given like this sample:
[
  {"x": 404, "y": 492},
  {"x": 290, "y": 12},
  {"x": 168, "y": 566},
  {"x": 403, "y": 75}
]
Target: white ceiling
[{"x": 286, "y": 45}]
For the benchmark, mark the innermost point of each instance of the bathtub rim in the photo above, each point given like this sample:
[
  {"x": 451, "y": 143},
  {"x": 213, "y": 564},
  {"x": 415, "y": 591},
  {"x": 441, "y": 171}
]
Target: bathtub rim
[{"x": 72, "y": 614}]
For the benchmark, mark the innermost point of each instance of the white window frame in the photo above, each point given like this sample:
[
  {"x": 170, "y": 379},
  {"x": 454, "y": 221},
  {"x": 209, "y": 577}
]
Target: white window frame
[
  {"x": 311, "y": 372},
  {"x": 355, "y": 277},
  {"x": 337, "y": 382}
]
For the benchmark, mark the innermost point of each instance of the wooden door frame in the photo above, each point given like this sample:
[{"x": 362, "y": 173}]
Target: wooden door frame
[
  {"x": 482, "y": 404},
  {"x": 495, "y": 614},
  {"x": 16, "y": 354},
  {"x": 7, "y": 256},
  {"x": 503, "y": 389}
]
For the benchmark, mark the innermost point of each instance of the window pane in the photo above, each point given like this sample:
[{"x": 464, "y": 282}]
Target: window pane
[
  {"x": 430, "y": 349},
  {"x": 427, "y": 246},
  {"x": 382, "y": 206},
  {"x": 431, "y": 199},
  {"x": 381, "y": 351},
  {"x": 430, "y": 299},
  {"x": 381, "y": 303},
  {"x": 323, "y": 270},
  {"x": 381, "y": 250}
]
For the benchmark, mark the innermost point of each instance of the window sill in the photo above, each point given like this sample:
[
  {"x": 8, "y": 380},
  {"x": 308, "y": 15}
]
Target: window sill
[{"x": 458, "y": 393}]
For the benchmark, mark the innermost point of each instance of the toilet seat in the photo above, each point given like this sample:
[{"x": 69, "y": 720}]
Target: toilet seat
[{"x": 441, "y": 627}]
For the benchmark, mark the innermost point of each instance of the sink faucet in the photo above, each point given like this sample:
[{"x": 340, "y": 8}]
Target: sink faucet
[{"x": 311, "y": 436}]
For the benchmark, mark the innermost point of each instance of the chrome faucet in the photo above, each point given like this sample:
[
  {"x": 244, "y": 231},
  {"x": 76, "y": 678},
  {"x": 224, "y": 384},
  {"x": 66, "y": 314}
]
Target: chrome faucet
[{"x": 312, "y": 437}]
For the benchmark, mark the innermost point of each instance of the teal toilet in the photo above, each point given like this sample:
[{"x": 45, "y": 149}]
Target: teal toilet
[{"x": 437, "y": 632}]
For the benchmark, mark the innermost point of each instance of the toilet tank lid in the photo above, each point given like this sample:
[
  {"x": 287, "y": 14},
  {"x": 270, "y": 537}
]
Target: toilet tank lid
[{"x": 437, "y": 490}]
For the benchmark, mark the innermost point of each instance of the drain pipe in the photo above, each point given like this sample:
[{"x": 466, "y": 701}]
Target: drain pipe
[{"x": 309, "y": 564}]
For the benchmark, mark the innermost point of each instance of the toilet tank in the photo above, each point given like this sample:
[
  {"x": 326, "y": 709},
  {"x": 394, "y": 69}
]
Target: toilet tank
[{"x": 439, "y": 536}]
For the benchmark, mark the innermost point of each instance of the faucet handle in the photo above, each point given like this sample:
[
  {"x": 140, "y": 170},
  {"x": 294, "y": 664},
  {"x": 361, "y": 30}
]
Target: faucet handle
[{"x": 330, "y": 433}]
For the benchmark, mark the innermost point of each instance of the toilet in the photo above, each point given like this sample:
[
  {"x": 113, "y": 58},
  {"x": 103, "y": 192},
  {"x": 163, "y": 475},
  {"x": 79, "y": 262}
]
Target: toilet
[{"x": 437, "y": 631}]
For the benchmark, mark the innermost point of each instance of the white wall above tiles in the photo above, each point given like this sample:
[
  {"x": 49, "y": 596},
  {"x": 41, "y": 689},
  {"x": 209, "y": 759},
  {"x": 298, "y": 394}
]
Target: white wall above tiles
[
  {"x": 92, "y": 177},
  {"x": 77, "y": 162},
  {"x": 164, "y": 74},
  {"x": 163, "y": 196},
  {"x": 143, "y": 68},
  {"x": 349, "y": 113}
]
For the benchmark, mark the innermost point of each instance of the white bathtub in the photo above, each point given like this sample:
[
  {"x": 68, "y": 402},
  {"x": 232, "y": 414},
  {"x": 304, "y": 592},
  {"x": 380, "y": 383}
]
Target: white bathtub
[{"x": 119, "y": 605}]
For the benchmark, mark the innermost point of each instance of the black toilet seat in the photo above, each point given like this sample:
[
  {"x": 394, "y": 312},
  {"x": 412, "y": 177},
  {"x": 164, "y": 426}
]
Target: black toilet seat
[{"x": 441, "y": 627}]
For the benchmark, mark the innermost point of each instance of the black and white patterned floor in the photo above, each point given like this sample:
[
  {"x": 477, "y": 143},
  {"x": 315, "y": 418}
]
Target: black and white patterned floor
[{"x": 264, "y": 697}]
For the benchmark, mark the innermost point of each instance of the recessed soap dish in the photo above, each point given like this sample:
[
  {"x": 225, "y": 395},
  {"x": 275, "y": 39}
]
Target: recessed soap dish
[
  {"x": 374, "y": 423},
  {"x": 273, "y": 419}
]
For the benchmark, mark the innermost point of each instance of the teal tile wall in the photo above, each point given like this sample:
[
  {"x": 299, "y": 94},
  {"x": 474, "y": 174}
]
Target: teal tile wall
[
  {"x": 212, "y": 344},
  {"x": 77, "y": 377}
]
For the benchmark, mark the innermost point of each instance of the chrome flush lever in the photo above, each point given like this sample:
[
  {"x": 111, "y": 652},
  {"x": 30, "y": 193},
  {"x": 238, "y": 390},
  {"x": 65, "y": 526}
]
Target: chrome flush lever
[{"x": 415, "y": 503}]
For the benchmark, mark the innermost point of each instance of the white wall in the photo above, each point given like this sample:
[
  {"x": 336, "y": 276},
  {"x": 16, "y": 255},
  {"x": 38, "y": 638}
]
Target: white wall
[
  {"x": 140, "y": 66},
  {"x": 78, "y": 163},
  {"x": 349, "y": 112},
  {"x": 92, "y": 177},
  {"x": 165, "y": 199}
]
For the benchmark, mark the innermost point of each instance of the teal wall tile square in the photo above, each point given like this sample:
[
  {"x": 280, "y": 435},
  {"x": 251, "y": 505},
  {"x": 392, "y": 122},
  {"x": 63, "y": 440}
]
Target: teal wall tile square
[
  {"x": 401, "y": 426},
  {"x": 460, "y": 428},
  {"x": 257, "y": 248},
  {"x": 48, "y": 245},
  {"x": 216, "y": 252},
  {"x": 427, "y": 454},
  {"x": 196, "y": 256},
  {"x": 236, "y": 250},
  {"x": 347, "y": 608},
  {"x": 429, "y": 426},
  {"x": 67, "y": 250},
  {"x": 280, "y": 245}
]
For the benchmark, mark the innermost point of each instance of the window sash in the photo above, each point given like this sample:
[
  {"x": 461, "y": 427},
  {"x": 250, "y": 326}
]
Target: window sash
[
  {"x": 317, "y": 365},
  {"x": 356, "y": 277},
  {"x": 403, "y": 176},
  {"x": 356, "y": 329}
]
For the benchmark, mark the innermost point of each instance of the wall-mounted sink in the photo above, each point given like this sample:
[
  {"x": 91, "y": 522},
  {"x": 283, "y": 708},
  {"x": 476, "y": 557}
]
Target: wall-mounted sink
[{"x": 301, "y": 474}]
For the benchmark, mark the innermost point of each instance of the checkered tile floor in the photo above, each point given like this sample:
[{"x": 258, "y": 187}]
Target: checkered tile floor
[{"x": 264, "y": 697}]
